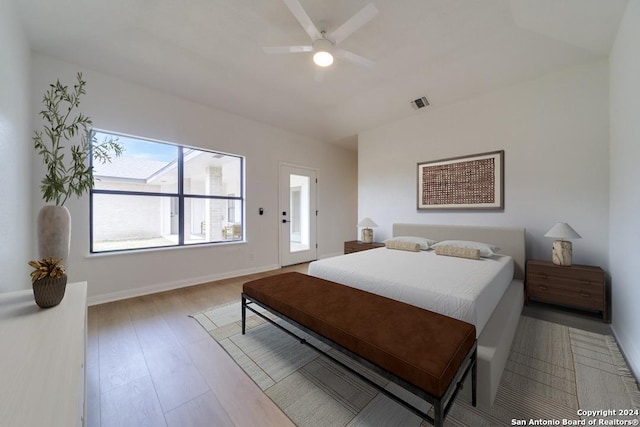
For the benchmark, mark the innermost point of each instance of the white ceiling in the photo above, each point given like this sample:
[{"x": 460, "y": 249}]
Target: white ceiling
[{"x": 210, "y": 51}]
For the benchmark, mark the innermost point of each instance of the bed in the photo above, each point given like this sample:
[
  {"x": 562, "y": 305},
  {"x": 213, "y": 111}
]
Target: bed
[{"x": 444, "y": 285}]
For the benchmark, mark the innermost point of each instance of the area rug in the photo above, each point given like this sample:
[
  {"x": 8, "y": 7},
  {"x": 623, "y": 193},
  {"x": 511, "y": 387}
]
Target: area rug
[{"x": 554, "y": 375}]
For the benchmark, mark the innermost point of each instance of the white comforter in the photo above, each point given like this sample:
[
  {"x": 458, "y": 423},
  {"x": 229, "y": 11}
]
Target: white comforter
[{"x": 464, "y": 289}]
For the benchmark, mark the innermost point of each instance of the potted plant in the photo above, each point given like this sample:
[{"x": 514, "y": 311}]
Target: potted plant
[
  {"x": 49, "y": 281},
  {"x": 68, "y": 171}
]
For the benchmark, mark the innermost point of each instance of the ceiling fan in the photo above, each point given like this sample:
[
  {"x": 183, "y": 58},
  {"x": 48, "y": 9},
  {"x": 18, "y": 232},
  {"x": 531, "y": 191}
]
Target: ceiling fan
[{"x": 324, "y": 46}]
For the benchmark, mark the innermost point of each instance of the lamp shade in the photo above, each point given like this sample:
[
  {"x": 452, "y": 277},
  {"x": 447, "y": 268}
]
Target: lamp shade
[
  {"x": 367, "y": 222},
  {"x": 562, "y": 230}
]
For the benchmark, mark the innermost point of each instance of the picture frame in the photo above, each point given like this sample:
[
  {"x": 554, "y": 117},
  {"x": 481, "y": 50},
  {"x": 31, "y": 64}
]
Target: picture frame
[{"x": 467, "y": 182}]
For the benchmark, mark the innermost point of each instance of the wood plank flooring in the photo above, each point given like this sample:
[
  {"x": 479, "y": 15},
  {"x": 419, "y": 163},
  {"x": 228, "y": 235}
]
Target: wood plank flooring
[{"x": 149, "y": 364}]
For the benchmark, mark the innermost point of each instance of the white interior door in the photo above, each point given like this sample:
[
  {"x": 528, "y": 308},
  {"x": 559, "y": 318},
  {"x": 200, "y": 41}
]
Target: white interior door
[{"x": 298, "y": 214}]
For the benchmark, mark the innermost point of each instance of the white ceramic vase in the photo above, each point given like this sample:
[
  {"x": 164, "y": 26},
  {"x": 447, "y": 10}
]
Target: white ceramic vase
[{"x": 54, "y": 233}]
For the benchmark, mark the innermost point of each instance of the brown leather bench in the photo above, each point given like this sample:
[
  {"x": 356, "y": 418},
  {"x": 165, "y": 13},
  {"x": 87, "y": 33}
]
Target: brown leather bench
[{"x": 427, "y": 353}]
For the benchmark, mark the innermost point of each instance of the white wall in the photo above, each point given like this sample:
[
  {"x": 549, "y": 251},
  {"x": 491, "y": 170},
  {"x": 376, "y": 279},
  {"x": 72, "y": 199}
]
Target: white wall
[
  {"x": 625, "y": 185},
  {"x": 131, "y": 109},
  {"x": 554, "y": 131},
  {"x": 15, "y": 151}
]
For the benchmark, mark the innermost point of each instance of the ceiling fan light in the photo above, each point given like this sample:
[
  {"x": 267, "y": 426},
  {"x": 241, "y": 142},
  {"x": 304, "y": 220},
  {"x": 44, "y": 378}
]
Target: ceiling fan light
[
  {"x": 322, "y": 52},
  {"x": 323, "y": 58}
]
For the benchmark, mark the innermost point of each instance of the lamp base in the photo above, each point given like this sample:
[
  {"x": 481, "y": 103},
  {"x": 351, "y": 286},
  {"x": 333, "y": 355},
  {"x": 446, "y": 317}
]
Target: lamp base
[
  {"x": 562, "y": 253},
  {"x": 367, "y": 235}
]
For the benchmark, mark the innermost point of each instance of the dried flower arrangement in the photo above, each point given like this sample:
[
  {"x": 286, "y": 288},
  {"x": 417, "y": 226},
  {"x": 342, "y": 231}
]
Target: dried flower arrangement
[{"x": 46, "y": 267}]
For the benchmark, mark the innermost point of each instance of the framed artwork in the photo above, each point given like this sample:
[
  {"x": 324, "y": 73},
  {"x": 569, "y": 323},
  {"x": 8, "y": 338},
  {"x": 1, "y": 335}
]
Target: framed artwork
[{"x": 467, "y": 182}]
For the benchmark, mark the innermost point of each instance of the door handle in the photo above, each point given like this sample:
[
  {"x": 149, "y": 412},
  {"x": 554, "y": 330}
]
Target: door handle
[{"x": 284, "y": 221}]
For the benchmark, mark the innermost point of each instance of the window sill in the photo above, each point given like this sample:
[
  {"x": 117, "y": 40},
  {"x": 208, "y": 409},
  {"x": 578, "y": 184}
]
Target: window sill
[{"x": 163, "y": 249}]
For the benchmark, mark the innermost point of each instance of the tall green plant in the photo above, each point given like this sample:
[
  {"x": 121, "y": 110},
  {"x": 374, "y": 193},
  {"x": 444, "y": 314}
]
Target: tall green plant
[{"x": 64, "y": 176}]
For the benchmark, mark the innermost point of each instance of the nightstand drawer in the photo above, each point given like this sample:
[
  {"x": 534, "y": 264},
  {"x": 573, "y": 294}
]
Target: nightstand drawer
[
  {"x": 569, "y": 274},
  {"x": 574, "y": 294},
  {"x": 562, "y": 284}
]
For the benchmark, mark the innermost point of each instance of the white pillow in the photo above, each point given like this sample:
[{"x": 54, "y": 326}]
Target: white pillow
[
  {"x": 486, "y": 250},
  {"x": 423, "y": 242}
]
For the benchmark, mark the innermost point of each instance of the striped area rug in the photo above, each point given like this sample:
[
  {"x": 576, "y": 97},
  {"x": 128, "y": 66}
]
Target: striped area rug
[{"x": 553, "y": 376}]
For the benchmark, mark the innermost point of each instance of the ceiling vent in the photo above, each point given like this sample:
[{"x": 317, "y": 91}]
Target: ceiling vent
[{"x": 419, "y": 103}]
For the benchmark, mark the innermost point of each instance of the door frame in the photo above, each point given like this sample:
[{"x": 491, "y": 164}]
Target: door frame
[{"x": 286, "y": 257}]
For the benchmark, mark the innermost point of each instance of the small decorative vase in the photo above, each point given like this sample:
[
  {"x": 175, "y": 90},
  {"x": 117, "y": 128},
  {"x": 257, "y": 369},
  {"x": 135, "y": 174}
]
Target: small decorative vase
[
  {"x": 54, "y": 233},
  {"x": 49, "y": 291}
]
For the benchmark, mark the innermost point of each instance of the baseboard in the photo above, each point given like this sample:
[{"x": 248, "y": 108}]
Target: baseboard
[
  {"x": 161, "y": 287},
  {"x": 630, "y": 353}
]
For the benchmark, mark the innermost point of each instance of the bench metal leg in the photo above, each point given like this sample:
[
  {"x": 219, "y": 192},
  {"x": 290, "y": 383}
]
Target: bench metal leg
[
  {"x": 244, "y": 315},
  {"x": 438, "y": 420},
  {"x": 474, "y": 377}
]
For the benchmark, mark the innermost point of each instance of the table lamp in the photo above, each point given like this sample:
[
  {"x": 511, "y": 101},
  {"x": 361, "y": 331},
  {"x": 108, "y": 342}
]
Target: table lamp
[
  {"x": 367, "y": 232},
  {"x": 561, "y": 247}
]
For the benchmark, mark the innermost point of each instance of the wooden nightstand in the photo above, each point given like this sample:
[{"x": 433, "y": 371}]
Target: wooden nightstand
[
  {"x": 579, "y": 286},
  {"x": 358, "y": 245}
]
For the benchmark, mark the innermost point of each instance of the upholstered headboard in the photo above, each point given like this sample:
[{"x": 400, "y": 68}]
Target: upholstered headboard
[{"x": 510, "y": 240}]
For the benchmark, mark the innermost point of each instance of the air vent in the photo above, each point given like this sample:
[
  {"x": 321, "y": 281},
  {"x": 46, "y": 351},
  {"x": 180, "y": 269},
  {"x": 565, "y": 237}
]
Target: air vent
[{"x": 419, "y": 103}]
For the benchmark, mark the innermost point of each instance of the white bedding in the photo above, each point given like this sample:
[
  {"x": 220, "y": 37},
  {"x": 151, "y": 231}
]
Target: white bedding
[{"x": 464, "y": 289}]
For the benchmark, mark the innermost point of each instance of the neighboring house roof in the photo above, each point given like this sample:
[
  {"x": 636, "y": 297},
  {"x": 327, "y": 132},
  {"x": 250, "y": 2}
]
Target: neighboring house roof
[{"x": 130, "y": 168}]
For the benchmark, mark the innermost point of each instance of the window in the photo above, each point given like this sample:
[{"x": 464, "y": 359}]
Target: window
[{"x": 159, "y": 194}]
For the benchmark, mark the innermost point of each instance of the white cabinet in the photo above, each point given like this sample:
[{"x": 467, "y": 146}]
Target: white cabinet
[{"x": 42, "y": 359}]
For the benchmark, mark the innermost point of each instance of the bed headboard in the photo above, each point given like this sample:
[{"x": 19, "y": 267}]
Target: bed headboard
[{"x": 510, "y": 240}]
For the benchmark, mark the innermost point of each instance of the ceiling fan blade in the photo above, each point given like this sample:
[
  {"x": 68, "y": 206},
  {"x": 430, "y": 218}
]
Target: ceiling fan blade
[
  {"x": 287, "y": 49},
  {"x": 365, "y": 15},
  {"x": 298, "y": 11},
  {"x": 352, "y": 57}
]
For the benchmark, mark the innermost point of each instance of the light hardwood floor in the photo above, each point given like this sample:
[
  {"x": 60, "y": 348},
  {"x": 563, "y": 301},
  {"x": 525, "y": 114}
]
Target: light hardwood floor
[{"x": 150, "y": 364}]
